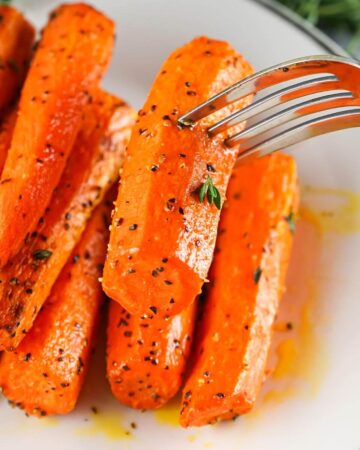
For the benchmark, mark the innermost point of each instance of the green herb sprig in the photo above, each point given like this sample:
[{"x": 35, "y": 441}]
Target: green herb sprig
[
  {"x": 209, "y": 190},
  {"x": 331, "y": 14},
  {"x": 290, "y": 219}
]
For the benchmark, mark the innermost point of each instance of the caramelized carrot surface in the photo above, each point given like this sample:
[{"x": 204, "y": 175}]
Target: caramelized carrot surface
[
  {"x": 72, "y": 55},
  {"x": 16, "y": 41},
  {"x": 7, "y": 124},
  {"x": 92, "y": 168},
  {"x": 158, "y": 218},
  {"x": 247, "y": 281},
  {"x": 45, "y": 373},
  {"x": 146, "y": 357}
]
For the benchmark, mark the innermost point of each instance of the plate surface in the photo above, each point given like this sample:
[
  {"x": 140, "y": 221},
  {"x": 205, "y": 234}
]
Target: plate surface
[{"x": 312, "y": 398}]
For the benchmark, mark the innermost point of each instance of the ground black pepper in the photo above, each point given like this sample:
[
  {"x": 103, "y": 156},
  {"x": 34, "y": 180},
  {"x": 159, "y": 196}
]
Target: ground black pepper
[{"x": 220, "y": 395}]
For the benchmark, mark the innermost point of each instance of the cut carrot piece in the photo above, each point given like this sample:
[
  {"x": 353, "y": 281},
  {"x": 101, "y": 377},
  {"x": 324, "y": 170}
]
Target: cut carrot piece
[
  {"x": 92, "y": 168},
  {"x": 158, "y": 216},
  {"x": 146, "y": 357},
  {"x": 45, "y": 373},
  {"x": 247, "y": 281},
  {"x": 72, "y": 55},
  {"x": 7, "y": 125},
  {"x": 16, "y": 41}
]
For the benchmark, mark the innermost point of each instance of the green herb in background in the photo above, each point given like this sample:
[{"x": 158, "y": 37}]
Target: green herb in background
[
  {"x": 5, "y": 2},
  {"x": 331, "y": 15}
]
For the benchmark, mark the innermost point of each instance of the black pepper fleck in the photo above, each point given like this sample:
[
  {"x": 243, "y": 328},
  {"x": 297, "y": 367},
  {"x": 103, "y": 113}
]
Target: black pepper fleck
[
  {"x": 257, "y": 275},
  {"x": 153, "y": 309},
  {"x": 220, "y": 395}
]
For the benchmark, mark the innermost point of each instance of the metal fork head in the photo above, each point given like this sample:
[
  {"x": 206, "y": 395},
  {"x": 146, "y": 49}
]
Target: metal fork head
[{"x": 321, "y": 95}]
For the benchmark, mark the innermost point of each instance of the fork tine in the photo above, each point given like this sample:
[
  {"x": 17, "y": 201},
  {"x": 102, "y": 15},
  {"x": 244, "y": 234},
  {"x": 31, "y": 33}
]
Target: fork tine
[
  {"x": 261, "y": 80},
  {"x": 294, "y": 112},
  {"x": 267, "y": 102},
  {"x": 348, "y": 118}
]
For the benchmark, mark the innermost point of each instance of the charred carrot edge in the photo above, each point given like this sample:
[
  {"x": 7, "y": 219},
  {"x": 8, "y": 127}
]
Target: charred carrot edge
[
  {"x": 72, "y": 55},
  {"x": 146, "y": 357},
  {"x": 92, "y": 168},
  {"x": 247, "y": 280},
  {"x": 158, "y": 215},
  {"x": 7, "y": 124},
  {"x": 16, "y": 42},
  {"x": 45, "y": 373}
]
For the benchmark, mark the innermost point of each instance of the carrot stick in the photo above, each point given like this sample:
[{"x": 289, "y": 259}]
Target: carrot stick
[
  {"x": 72, "y": 55},
  {"x": 158, "y": 218},
  {"x": 16, "y": 41},
  {"x": 7, "y": 124},
  {"x": 92, "y": 168},
  {"x": 146, "y": 357},
  {"x": 45, "y": 373},
  {"x": 247, "y": 281}
]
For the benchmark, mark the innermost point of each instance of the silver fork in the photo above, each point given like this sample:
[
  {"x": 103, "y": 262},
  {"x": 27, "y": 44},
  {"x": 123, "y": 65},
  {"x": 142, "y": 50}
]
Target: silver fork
[{"x": 321, "y": 95}]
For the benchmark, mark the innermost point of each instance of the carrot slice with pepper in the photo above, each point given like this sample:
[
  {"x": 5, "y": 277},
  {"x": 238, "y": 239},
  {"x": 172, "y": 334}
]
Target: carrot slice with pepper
[
  {"x": 146, "y": 357},
  {"x": 7, "y": 124},
  {"x": 92, "y": 168},
  {"x": 71, "y": 58},
  {"x": 158, "y": 215},
  {"x": 16, "y": 41},
  {"x": 247, "y": 281},
  {"x": 45, "y": 373}
]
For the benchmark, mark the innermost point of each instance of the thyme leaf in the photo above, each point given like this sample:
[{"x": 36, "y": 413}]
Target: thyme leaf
[
  {"x": 290, "y": 219},
  {"x": 211, "y": 192}
]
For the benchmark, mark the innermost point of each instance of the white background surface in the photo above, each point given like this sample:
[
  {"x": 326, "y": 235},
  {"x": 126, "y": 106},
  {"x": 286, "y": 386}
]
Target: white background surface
[{"x": 326, "y": 419}]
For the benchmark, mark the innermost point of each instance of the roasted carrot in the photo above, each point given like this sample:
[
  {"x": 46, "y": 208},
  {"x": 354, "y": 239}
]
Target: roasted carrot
[
  {"x": 158, "y": 218},
  {"x": 7, "y": 124},
  {"x": 45, "y": 373},
  {"x": 247, "y": 281},
  {"x": 72, "y": 55},
  {"x": 92, "y": 168},
  {"x": 146, "y": 357},
  {"x": 16, "y": 41}
]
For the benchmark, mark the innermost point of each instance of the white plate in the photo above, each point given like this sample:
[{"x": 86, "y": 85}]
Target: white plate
[{"x": 312, "y": 401}]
